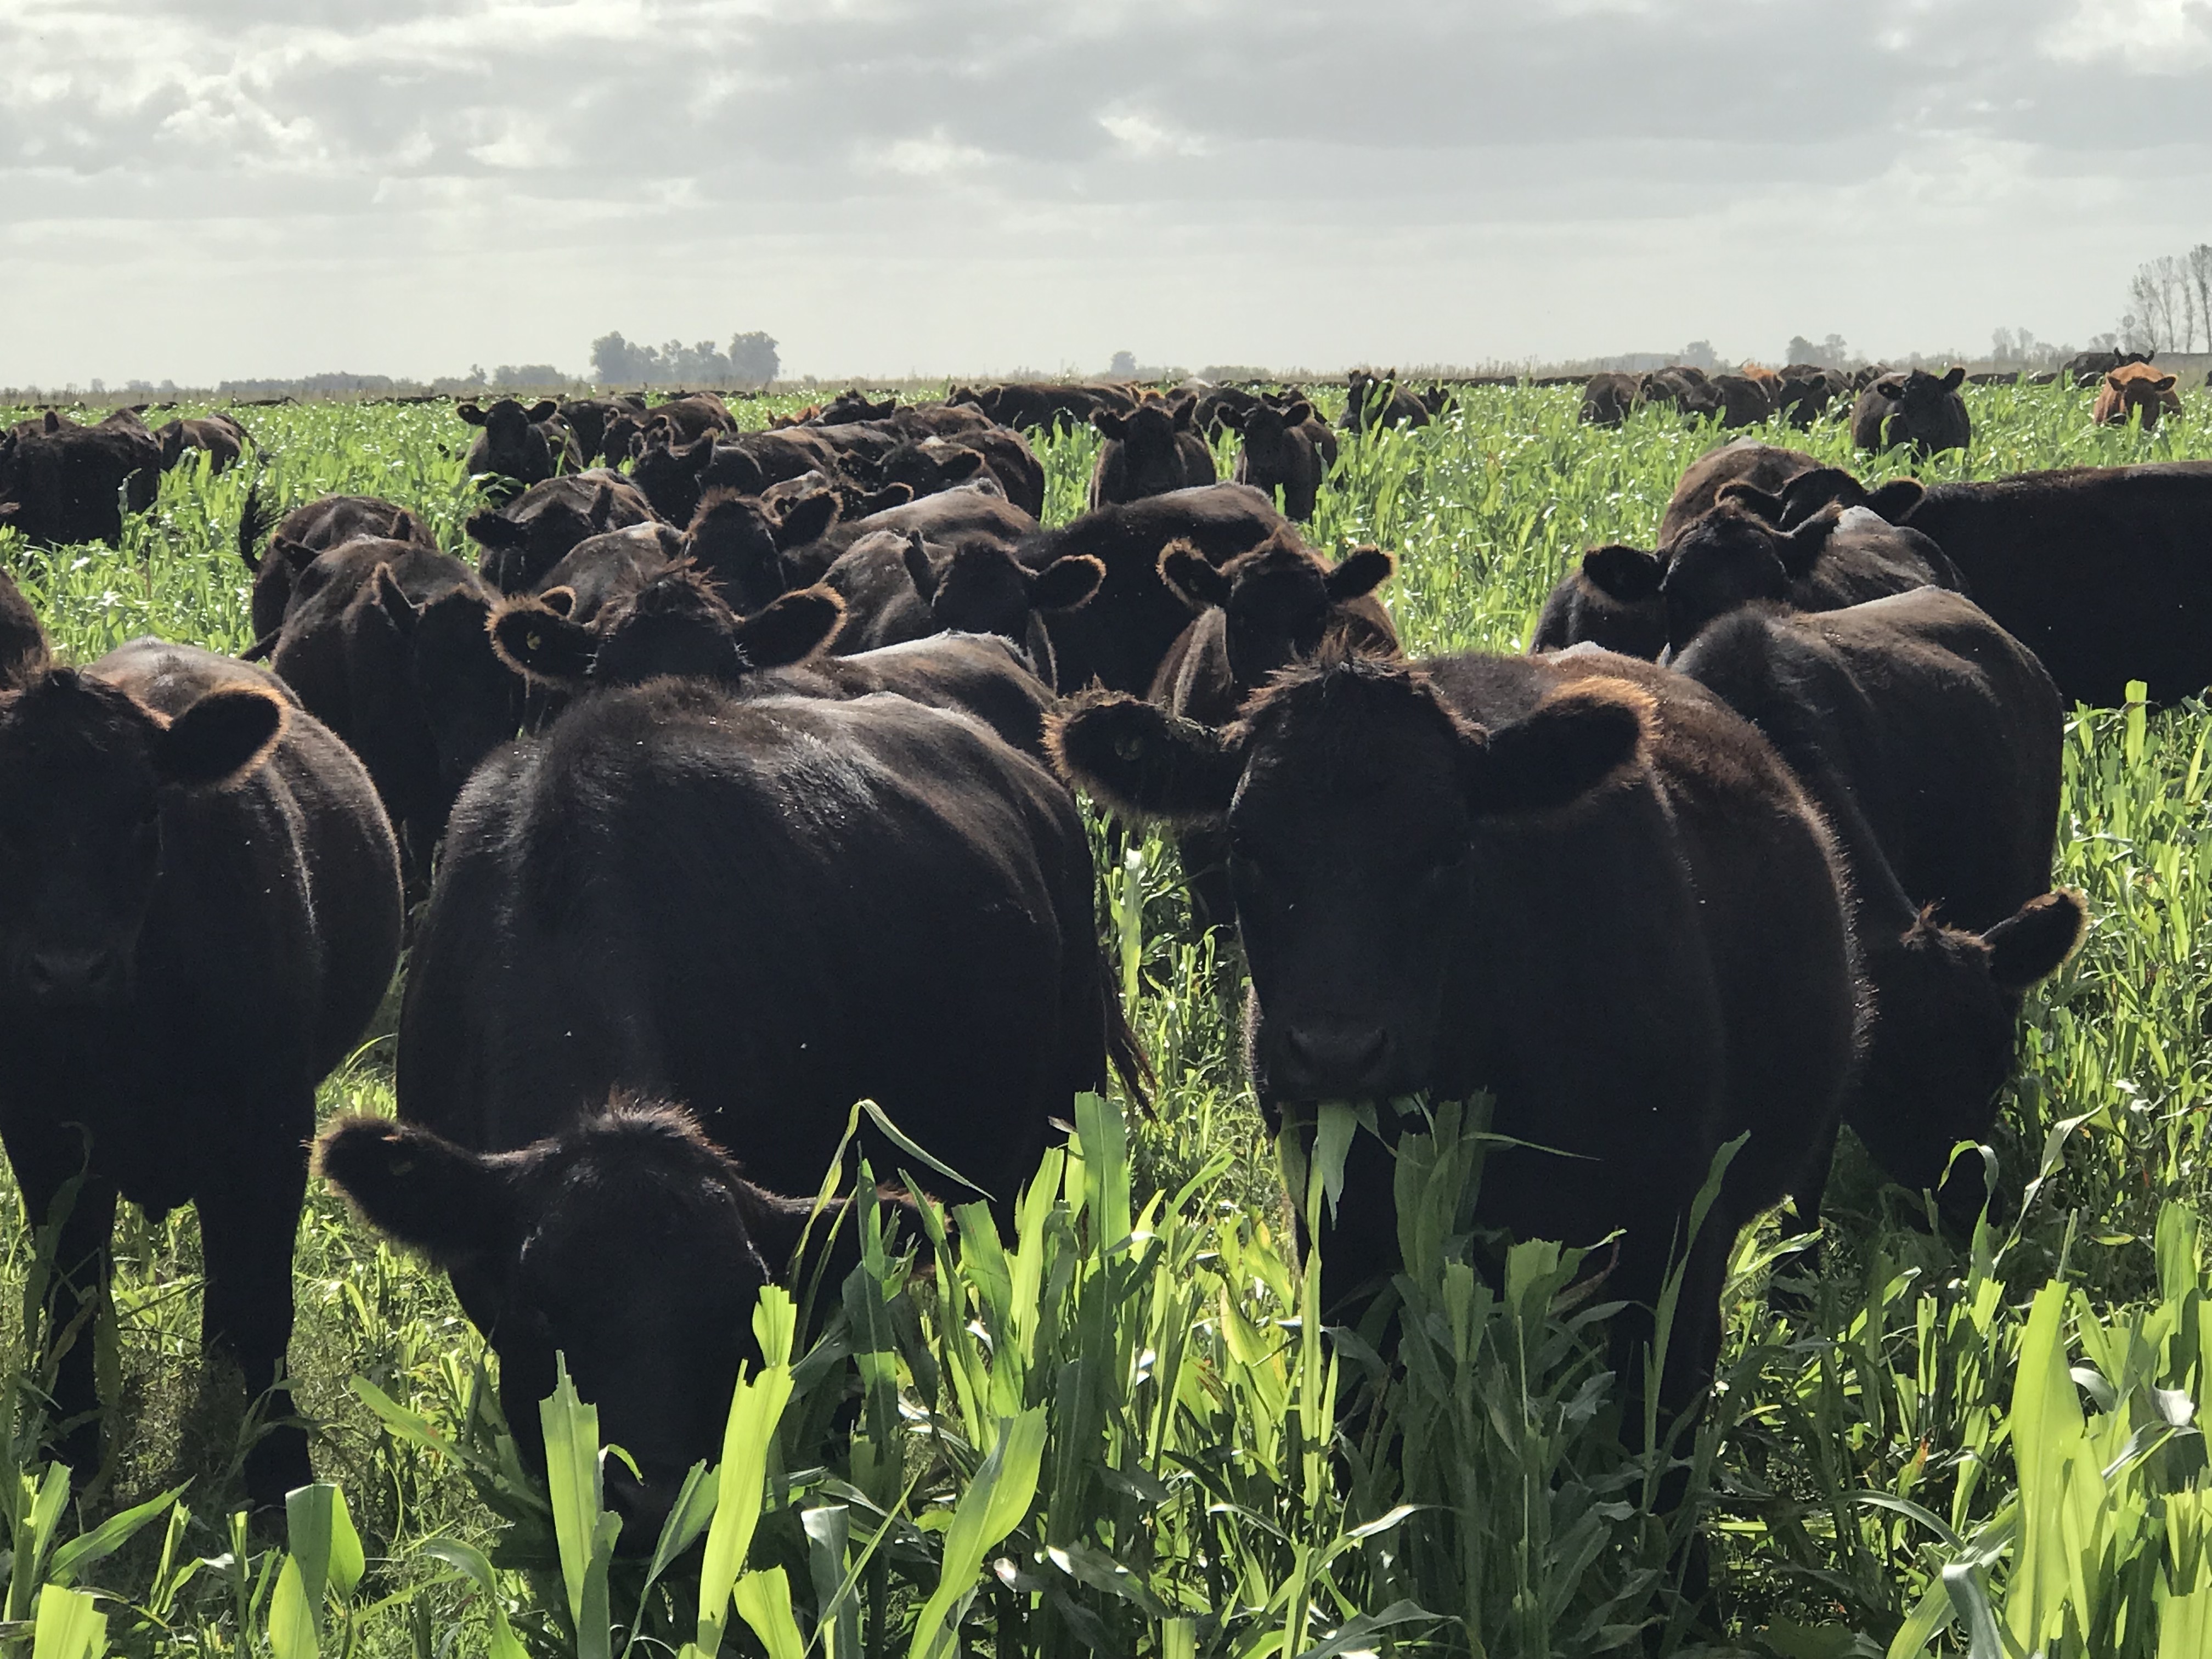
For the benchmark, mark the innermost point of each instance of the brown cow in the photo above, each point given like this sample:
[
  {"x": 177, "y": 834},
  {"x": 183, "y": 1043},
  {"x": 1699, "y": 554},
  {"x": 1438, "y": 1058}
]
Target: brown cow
[{"x": 2135, "y": 389}]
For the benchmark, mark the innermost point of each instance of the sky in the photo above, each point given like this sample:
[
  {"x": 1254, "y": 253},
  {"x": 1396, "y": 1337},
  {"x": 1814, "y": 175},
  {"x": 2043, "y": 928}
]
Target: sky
[{"x": 197, "y": 190}]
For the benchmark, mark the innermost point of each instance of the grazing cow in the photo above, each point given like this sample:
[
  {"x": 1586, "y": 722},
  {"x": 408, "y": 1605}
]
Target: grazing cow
[
  {"x": 1279, "y": 453},
  {"x": 1931, "y": 739},
  {"x": 1995, "y": 376},
  {"x": 1734, "y": 557},
  {"x": 1148, "y": 452},
  {"x": 1578, "y": 611},
  {"x": 201, "y": 914},
  {"x": 1919, "y": 409},
  {"x": 2100, "y": 571},
  {"x": 1048, "y": 407},
  {"x": 1803, "y": 392},
  {"x": 70, "y": 483},
  {"x": 896, "y": 588},
  {"x": 1121, "y": 637},
  {"x": 1609, "y": 398},
  {"x": 1744, "y": 461},
  {"x": 2087, "y": 367},
  {"x": 566, "y": 1244},
  {"x": 1685, "y": 387},
  {"x": 219, "y": 436},
  {"x": 384, "y": 643},
  {"x": 527, "y": 445},
  {"x": 1744, "y": 401},
  {"x": 768, "y": 907},
  {"x": 531, "y": 533},
  {"x": 2137, "y": 392},
  {"x": 1442, "y": 872},
  {"x": 588, "y": 420},
  {"x": 1257, "y": 615},
  {"x": 1377, "y": 400},
  {"x": 300, "y": 537}
]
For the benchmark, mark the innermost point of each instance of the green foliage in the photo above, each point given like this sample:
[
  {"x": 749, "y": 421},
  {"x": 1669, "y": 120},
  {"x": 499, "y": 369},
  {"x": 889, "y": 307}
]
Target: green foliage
[{"x": 1118, "y": 1430}]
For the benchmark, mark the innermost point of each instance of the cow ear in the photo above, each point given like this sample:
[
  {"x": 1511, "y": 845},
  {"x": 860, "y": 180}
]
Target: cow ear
[
  {"x": 561, "y": 601},
  {"x": 1358, "y": 573},
  {"x": 1109, "y": 423},
  {"x": 1231, "y": 418},
  {"x": 1895, "y": 499},
  {"x": 2033, "y": 943},
  {"x": 918, "y": 570},
  {"x": 407, "y": 528},
  {"x": 418, "y": 1189},
  {"x": 1568, "y": 745},
  {"x": 792, "y": 628},
  {"x": 391, "y": 600},
  {"x": 1183, "y": 413},
  {"x": 2164, "y": 383},
  {"x": 470, "y": 413},
  {"x": 696, "y": 459},
  {"x": 961, "y": 463},
  {"x": 298, "y": 555},
  {"x": 1142, "y": 762},
  {"x": 806, "y": 519},
  {"x": 493, "y": 530},
  {"x": 541, "y": 644},
  {"x": 1954, "y": 379},
  {"x": 1192, "y": 578},
  {"x": 1799, "y": 550},
  {"x": 220, "y": 738},
  {"x": 1067, "y": 583},
  {"x": 1625, "y": 573},
  {"x": 603, "y": 507},
  {"x": 890, "y": 495},
  {"x": 1752, "y": 500},
  {"x": 1298, "y": 413},
  {"x": 1892, "y": 389},
  {"x": 544, "y": 410},
  {"x": 53, "y": 421}
]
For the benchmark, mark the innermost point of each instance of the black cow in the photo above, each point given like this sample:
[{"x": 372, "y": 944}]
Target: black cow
[
  {"x": 2087, "y": 367},
  {"x": 1048, "y": 407},
  {"x": 587, "y": 419},
  {"x": 566, "y": 1244},
  {"x": 1148, "y": 452},
  {"x": 689, "y": 417},
  {"x": 384, "y": 643},
  {"x": 768, "y": 907},
  {"x": 1445, "y": 873},
  {"x": 1733, "y": 557},
  {"x": 975, "y": 512},
  {"x": 220, "y": 437},
  {"x": 302, "y": 536},
  {"x": 1918, "y": 409},
  {"x": 202, "y": 913},
  {"x": 70, "y": 483},
  {"x": 1280, "y": 452},
  {"x": 1377, "y": 400},
  {"x": 527, "y": 445},
  {"x": 1930, "y": 739},
  {"x": 896, "y": 587},
  {"x": 531, "y": 533},
  {"x": 2102, "y": 572},
  {"x": 1119, "y": 638},
  {"x": 1805, "y": 392},
  {"x": 1609, "y": 398},
  {"x": 1744, "y": 461}
]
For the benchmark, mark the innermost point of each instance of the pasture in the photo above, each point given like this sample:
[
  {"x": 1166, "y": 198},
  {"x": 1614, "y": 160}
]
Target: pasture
[{"x": 1120, "y": 1432}]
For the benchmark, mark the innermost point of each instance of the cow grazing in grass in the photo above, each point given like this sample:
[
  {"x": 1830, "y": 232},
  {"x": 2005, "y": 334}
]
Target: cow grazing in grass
[
  {"x": 566, "y": 1244},
  {"x": 219, "y": 437},
  {"x": 2137, "y": 392},
  {"x": 1609, "y": 398},
  {"x": 1443, "y": 871},
  {"x": 1931, "y": 739},
  {"x": 527, "y": 445},
  {"x": 201, "y": 915},
  {"x": 1917, "y": 410},
  {"x": 1744, "y": 461},
  {"x": 1280, "y": 452},
  {"x": 68, "y": 482},
  {"x": 2087, "y": 367},
  {"x": 1148, "y": 452}
]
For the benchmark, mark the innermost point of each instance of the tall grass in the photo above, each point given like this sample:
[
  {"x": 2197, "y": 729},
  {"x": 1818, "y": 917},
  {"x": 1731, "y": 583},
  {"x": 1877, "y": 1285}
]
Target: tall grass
[{"x": 1118, "y": 1431}]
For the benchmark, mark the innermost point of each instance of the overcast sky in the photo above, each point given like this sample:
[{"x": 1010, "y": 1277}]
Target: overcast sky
[{"x": 201, "y": 189}]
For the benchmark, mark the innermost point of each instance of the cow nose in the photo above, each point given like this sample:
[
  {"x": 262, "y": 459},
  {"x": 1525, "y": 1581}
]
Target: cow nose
[
  {"x": 1338, "y": 1060},
  {"x": 76, "y": 976}
]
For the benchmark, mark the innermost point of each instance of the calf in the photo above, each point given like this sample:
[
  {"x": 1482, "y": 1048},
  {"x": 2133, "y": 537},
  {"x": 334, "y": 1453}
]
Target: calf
[
  {"x": 1444, "y": 872},
  {"x": 527, "y": 445},
  {"x": 896, "y": 589},
  {"x": 1921, "y": 409},
  {"x": 2137, "y": 391},
  {"x": 531, "y": 533},
  {"x": 1279, "y": 453},
  {"x": 1931, "y": 739},
  {"x": 201, "y": 915},
  {"x": 1148, "y": 452}
]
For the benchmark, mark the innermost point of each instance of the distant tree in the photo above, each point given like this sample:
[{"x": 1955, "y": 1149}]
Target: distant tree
[
  {"x": 616, "y": 361},
  {"x": 1699, "y": 353},
  {"x": 1801, "y": 350},
  {"x": 1123, "y": 367},
  {"x": 753, "y": 360},
  {"x": 2197, "y": 264}
]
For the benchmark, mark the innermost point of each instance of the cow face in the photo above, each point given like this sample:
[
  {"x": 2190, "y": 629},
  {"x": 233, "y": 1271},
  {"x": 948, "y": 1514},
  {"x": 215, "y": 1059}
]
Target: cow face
[
  {"x": 1152, "y": 462},
  {"x": 2137, "y": 392},
  {"x": 1280, "y": 600},
  {"x": 981, "y": 589},
  {"x": 676, "y": 624},
  {"x": 86, "y": 773},
  {"x": 1726, "y": 559},
  {"x": 1355, "y": 802},
  {"x": 629, "y": 1246},
  {"x": 510, "y": 444},
  {"x": 470, "y": 700},
  {"x": 668, "y": 476}
]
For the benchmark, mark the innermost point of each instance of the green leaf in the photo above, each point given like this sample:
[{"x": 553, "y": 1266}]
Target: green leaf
[
  {"x": 764, "y": 1603},
  {"x": 70, "y": 1625},
  {"x": 992, "y": 1506},
  {"x": 292, "y": 1615},
  {"x": 110, "y": 1536}
]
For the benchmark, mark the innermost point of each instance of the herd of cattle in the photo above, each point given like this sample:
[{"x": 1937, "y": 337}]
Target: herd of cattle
[{"x": 736, "y": 779}]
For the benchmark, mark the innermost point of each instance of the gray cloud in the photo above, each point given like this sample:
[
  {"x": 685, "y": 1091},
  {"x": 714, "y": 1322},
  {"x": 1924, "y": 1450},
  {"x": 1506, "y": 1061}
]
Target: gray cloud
[{"x": 198, "y": 189}]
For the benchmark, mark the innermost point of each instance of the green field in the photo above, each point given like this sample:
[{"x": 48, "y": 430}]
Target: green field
[{"x": 1119, "y": 1434}]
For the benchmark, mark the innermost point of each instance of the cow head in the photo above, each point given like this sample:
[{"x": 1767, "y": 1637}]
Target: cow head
[
  {"x": 1726, "y": 559},
  {"x": 510, "y": 444},
  {"x": 668, "y": 475},
  {"x": 469, "y": 700},
  {"x": 86, "y": 771},
  {"x": 1268, "y": 429},
  {"x": 925, "y": 467},
  {"x": 2137, "y": 391},
  {"x": 980, "y": 588},
  {"x": 737, "y": 544},
  {"x": 1356, "y": 803},
  {"x": 629, "y": 1245},
  {"x": 676, "y": 624},
  {"x": 1279, "y": 600},
  {"x": 1806, "y": 495}
]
